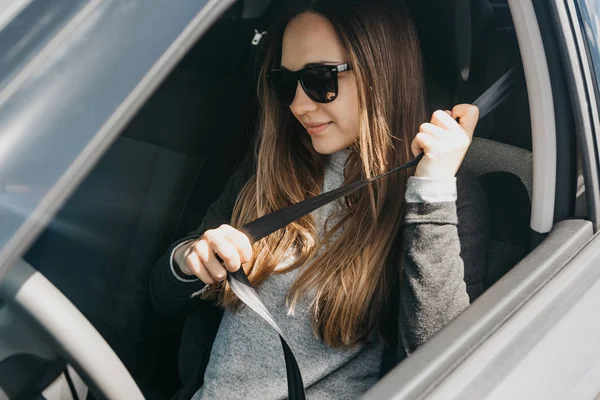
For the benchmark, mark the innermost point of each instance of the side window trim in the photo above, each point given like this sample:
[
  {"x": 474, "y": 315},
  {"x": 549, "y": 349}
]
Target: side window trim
[{"x": 543, "y": 129}]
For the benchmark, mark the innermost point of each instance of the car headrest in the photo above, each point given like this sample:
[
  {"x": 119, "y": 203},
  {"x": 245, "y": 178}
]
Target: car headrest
[
  {"x": 449, "y": 30},
  {"x": 254, "y": 8}
]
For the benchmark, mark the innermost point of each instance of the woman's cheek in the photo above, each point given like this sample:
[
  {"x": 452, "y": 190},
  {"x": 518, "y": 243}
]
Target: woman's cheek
[{"x": 348, "y": 114}]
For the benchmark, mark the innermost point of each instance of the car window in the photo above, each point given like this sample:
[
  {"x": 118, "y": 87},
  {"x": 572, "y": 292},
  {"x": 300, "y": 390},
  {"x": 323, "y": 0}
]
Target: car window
[
  {"x": 10, "y": 8},
  {"x": 26, "y": 27},
  {"x": 54, "y": 102},
  {"x": 65, "y": 95},
  {"x": 590, "y": 17}
]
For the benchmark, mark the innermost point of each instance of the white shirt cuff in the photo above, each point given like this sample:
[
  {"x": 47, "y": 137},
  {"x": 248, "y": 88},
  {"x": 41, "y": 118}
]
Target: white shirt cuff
[
  {"x": 430, "y": 190},
  {"x": 172, "y": 264}
]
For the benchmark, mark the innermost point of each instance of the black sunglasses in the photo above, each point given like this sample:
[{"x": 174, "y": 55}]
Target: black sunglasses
[{"x": 319, "y": 82}]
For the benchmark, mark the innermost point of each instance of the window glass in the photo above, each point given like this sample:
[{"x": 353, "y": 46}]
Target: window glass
[
  {"x": 9, "y": 8},
  {"x": 26, "y": 27},
  {"x": 590, "y": 19}
]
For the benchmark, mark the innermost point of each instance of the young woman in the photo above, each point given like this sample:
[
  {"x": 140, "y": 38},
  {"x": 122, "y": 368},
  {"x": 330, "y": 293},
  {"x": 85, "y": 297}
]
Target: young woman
[{"x": 361, "y": 280}]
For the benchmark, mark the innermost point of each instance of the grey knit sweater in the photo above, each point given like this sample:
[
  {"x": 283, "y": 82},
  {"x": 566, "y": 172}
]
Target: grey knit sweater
[
  {"x": 246, "y": 349},
  {"x": 243, "y": 358}
]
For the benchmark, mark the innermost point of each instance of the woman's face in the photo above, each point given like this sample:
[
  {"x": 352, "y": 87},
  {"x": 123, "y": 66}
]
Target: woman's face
[{"x": 310, "y": 38}]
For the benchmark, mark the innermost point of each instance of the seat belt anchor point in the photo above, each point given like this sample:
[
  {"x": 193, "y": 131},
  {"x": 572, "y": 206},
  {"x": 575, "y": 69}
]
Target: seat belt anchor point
[{"x": 257, "y": 37}]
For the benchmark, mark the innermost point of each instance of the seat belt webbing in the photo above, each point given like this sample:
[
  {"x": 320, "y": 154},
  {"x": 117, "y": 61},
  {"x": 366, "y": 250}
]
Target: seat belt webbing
[{"x": 276, "y": 220}]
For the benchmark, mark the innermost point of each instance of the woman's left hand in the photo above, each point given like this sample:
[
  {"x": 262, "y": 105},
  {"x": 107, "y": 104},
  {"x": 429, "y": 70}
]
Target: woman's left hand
[{"x": 445, "y": 141}]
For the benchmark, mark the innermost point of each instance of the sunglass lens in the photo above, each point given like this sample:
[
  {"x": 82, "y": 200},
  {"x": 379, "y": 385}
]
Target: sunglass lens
[
  {"x": 320, "y": 84},
  {"x": 284, "y": 85}
]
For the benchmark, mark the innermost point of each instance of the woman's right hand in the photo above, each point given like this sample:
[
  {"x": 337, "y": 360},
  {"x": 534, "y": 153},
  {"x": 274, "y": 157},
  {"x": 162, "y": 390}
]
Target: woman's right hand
[
  {"x": 199, "y": 258},
  {"x": 445, "y": 141}
]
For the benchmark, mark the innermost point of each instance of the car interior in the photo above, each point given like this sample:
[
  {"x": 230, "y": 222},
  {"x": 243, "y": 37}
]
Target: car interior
[{"x": 174, "y": 157}]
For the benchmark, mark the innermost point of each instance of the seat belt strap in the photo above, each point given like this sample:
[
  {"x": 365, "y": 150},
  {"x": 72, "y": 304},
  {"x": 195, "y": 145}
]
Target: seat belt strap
[
  {"x": 498, "y": 92},
  {"x": 276, "y": 220}
]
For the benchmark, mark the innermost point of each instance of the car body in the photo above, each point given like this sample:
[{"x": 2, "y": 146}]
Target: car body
[{"x": 75, "y": 75}]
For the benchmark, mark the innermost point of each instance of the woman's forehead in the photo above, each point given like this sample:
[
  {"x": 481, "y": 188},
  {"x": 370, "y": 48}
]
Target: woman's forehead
[{"x": 310, "y": 38}]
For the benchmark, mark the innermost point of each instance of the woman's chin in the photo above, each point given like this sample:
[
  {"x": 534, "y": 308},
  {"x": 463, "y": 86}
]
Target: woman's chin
[{"x": 325, "y": 147}]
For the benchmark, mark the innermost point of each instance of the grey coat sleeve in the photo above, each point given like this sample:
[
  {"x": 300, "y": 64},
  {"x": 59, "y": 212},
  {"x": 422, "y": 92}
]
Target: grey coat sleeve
[{"x": 432, "y": 286}]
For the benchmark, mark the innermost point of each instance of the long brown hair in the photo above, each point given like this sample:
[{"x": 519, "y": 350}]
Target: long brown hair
[{"x": 352, "y": 277}]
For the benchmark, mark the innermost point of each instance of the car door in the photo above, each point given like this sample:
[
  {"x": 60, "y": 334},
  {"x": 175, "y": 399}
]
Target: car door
[{"x": 535, "y": 333}]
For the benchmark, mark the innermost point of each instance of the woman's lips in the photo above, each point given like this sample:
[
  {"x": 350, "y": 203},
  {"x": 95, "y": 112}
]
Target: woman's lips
[{"x": 316, "y": 129}]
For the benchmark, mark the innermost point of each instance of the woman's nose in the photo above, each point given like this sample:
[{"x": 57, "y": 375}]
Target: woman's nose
[{"x": 302, "y": 103}]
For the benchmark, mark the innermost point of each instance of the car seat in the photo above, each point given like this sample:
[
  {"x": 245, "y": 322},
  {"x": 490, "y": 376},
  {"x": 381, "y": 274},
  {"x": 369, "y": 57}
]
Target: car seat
[{"x": 500, "y": 155}]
